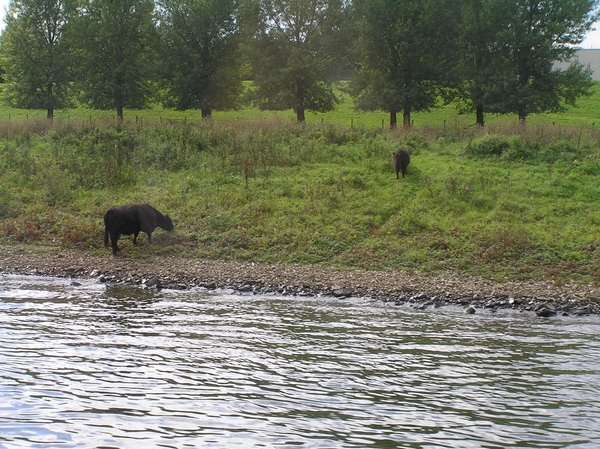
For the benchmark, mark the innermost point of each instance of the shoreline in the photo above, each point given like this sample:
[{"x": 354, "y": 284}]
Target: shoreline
[{"x": 543, "y": 298}]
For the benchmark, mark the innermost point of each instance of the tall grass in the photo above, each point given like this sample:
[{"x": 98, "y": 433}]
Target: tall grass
[{"x": 507, "y": 201}]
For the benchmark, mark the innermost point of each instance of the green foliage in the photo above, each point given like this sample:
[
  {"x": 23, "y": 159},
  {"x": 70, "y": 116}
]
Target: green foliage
[
  {"x": 507, "y": 54},
  {"x": 524, "y": 148},
  {"x": 296, "y": 53},
  {"x": 114, "y": 46},
  {"x": 96, "y": 157},
  {"x": 192, "y": 55},
  {"x": 199, "y": 42},
  {"x": 36, "y": 54},
  {"x": 517, "y": 206},
  {"x": 489, "y": 145},
  {"x": 525, "y": 48},
  {"x": 407, "y": 50}
]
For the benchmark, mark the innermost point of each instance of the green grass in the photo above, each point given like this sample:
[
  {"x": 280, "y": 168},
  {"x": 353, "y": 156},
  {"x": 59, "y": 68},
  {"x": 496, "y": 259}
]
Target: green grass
[
  {"x": 586, "y": 112},
  {"x": 505, "y": 202}
]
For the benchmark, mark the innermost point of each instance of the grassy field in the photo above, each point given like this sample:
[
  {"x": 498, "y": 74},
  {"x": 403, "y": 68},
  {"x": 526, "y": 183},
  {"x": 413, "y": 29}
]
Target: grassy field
[
  {"x": 505, "y": 202},
  {"x": 586, "y": 113}
]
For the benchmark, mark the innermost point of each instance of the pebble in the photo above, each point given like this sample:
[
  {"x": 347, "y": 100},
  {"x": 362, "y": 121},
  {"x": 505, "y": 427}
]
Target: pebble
[
  {"x": 545, "y": 312},
  {"x": 541, "y": 298}
]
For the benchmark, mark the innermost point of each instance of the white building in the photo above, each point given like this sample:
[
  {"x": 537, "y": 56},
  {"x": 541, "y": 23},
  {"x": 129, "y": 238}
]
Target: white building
[{"x": 586, "y": 56}]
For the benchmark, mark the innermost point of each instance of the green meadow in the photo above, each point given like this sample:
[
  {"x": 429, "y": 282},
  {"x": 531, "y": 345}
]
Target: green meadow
[{"x": 505, "y": 202}]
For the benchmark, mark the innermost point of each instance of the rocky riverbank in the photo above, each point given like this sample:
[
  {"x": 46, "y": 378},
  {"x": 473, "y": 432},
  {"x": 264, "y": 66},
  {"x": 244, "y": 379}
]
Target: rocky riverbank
[{"x": 543, "y": 298}]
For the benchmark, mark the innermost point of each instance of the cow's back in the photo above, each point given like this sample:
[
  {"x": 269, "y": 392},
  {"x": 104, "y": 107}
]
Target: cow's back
[
  {"x": 148, "y": 217},
  {"x": 401, "y": 161},
  {"x": 123, "y": 220}
]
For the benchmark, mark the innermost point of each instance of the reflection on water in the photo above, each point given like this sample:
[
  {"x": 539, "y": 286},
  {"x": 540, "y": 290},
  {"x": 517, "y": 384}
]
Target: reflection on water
[{"x": 95, "y": 366}]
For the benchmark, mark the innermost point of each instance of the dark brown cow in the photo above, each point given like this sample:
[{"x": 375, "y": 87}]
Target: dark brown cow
[
  {"x": 132, "y": 219},
  {"x": 401, "y": 161}
]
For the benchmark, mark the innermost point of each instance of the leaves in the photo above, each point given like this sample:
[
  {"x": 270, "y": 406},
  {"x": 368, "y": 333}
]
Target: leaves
[
  {"x": 114, "y": 52},
  {"x": 510, "y": 51},
  {"x": 295, "y": 52},
  {"x": 407, "y": 51},
  {"x": 201, "y": 63},
  {"x": 36, "y": 54}
]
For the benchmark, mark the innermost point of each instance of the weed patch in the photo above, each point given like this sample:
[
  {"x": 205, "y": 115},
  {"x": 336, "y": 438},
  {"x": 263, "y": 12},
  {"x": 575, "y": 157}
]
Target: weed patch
[{"x": 513, "y": 203}]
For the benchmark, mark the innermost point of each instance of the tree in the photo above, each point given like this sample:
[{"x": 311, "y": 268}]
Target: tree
[
  {"x": 199, "y": 48},
  {"x": 115, "y": 52},
  {"x": 408, "y": 50},
  {"x": 294, "y": 54},
  {"x": 536, "y": 34},
  {"x": 36, "y": 54},
  {"x": 482, "y": 20}
]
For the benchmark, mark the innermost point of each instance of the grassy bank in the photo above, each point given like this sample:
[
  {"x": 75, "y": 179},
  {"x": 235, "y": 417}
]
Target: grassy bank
[{"x": 506, "y": 202}]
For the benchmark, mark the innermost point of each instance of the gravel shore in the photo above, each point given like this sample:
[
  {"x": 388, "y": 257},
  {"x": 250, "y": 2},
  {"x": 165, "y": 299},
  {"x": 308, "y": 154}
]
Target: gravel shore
[{"x": 543, "y": 298}]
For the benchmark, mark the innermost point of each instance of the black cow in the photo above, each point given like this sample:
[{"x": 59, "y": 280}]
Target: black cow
[
  {"x": 132, "y": 219},
  {"x": 401, "y": 161}
]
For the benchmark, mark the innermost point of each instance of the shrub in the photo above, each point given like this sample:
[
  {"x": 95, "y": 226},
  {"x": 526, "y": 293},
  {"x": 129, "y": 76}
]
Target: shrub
[
  {"x": 488, "y": 145},
  {"x": 560, "y": 149},
  {"x": 518, "y": 150}
]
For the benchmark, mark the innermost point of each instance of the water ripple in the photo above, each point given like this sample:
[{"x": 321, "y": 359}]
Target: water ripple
[{"x": 93, "y": 366}]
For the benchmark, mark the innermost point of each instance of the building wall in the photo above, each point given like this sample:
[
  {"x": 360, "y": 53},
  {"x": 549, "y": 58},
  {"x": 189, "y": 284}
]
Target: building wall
[{"x": 586, "y": 56}]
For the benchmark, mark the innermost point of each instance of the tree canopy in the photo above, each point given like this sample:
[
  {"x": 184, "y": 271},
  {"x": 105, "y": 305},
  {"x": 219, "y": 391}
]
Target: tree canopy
[
  {"x": 494, "y": 56},
  {"x": 115, "y": 43},
  {"x": 537, "y": 34},
  {"x": 509, "y": 50},
  {"x": 294, "y": 54},
  {"x": 199, "y": 47},
  {"x": 408, "y": 50},
  {"x": 36, "y": 54}
]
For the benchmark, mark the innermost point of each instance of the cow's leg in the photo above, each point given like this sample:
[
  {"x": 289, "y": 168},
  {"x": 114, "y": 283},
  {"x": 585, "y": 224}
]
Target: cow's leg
[
  {"x": 135, "y": 234},
  {"x": 149, "y": 237},
  {"x": 114, "y": 236}
]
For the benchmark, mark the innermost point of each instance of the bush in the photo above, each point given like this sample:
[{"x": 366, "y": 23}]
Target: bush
[
  {"x": 488, "y": 145},
  {"x": 560, "y": 149}
]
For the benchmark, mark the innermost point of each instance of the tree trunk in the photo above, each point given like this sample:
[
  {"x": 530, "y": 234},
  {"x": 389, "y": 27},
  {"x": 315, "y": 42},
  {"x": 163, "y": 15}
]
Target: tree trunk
[
  {"x": 393, "y": 120},
  {"x": 300, "y": 101},
  {"x": 479, "y": 115},
  {"x": 119, "y": 98},
  {"x": 50, "y": 111},
  {"x": 406, "y": 121}
]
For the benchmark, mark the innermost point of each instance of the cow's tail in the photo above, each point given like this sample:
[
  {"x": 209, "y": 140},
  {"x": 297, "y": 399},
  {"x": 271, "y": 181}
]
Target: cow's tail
[{"x": 106, "y": 228}]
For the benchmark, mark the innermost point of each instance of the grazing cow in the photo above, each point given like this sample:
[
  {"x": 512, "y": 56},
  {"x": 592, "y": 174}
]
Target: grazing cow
[
  {"x": 401, "y": 161},
  {"x": 132, "y": 219}
]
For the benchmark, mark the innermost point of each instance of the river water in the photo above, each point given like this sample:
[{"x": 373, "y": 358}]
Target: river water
[{"x": 95, "y": 366}]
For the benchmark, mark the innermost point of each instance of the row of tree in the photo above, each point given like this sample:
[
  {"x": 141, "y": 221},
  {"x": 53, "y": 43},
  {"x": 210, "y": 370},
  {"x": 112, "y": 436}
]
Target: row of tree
[{"x": 401, "y": 55}]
